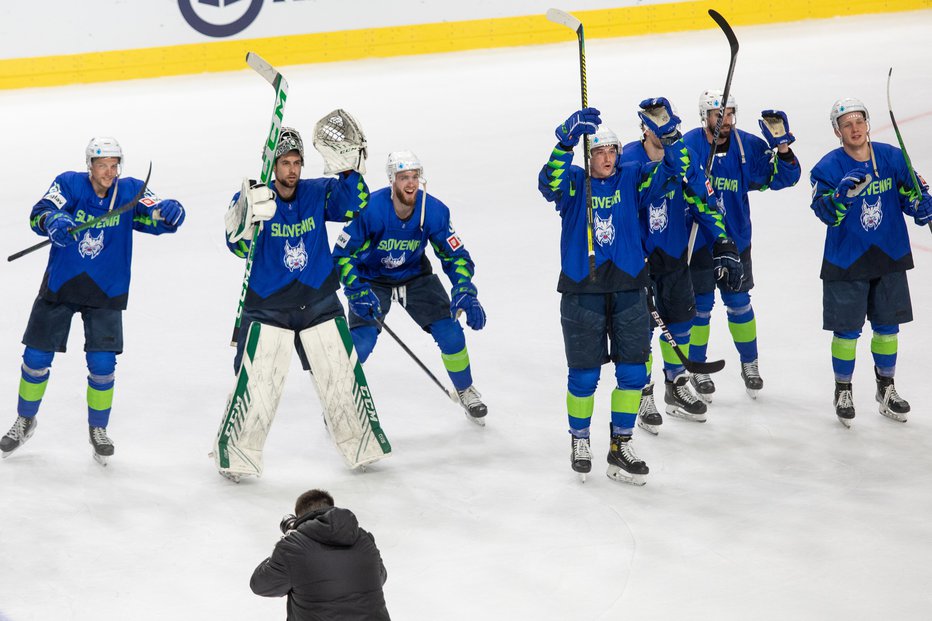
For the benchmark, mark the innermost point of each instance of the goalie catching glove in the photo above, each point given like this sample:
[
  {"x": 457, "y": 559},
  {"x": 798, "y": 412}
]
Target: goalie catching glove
[
  {"x": 256, "y": 204},
  {"x": 341, "y": 142}
]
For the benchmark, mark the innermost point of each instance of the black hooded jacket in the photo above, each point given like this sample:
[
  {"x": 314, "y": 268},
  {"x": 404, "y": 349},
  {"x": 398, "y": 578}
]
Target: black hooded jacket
[{"x": 329, "y": 568}]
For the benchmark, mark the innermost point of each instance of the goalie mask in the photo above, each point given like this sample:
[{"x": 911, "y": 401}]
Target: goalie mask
[
  {"x": 289, "y": 140},
  {"x": 712, "y": 100},
  {"x": 341, "y": 142},
  {"x": 845, "y": 106},
  {"x": 102, "y": 147}
]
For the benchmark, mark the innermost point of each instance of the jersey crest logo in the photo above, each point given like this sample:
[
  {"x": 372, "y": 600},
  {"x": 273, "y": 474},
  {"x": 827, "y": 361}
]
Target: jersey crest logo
[
  {"x": 871, "y": 215},
  {"x": 91, "y": 246},
  {"x": 295, "y": 256},
  {"x": 657, "y": 217},
  {"x": 391, "y": 262},
  {"x": 604, "y": 230}
]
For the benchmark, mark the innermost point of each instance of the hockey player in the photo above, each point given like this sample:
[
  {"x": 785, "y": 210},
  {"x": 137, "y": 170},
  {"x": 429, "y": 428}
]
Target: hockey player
[
  {"x": 613, "y": 304},
  {"x": 292, "y": 298},
  {"x": 87, "y": 273},
  {"x": 742, "y": 163},
  {"x": 665, "y": 230},
  {"x": 382, "y": 259},
  {"x": 861, "y": 191}
]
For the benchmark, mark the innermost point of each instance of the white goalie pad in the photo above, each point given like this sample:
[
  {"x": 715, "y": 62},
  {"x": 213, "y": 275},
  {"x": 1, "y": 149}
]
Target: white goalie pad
[
  {"x": 341, "y": 142},
  {"x": 348, "y": 409},
  {"x": 252, "y": 406}
]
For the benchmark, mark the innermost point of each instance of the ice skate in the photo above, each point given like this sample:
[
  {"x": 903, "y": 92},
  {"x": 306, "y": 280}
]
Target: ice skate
[
  {"x": 22, "y": 430},
  {"x": 103, "y": 445},
  {"x": 751, "y": 376},
  {"x": 649, "y": 419},
  {"x": 681, "y": 402},
  {"x": 704, "y": 386},
  {"x": 844, "y": 403},
  {"x": 892, "y": 405},
  {"x": 580, "y": 457},
  {"x": 623, "y": 464},
  {"x": 472, "y": 403}
]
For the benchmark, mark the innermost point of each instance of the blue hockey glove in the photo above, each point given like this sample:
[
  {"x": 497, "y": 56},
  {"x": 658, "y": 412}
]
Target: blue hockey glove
[
  {"x": 585, "y": 121},
  {"x": 464, "y": 299},
  {"x": 171, "y": 212},
  {"x": 364, "y": 302},
  {"x": 726, "y": 264},
  {"x": 923, "y": 208},
  {"x": 847, "y": 190},
  {"x": 57, "y": 225},
  {"x": 657, "y": 116},
  {"x": 776, "y": 128}
]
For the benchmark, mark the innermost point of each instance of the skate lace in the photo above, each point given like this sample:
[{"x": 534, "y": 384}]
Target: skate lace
[
  {"x": 628, "y": 451},
  {"x": 647, "y": 405},
  {"x": 581, "y": 449},
  {"x": 18, "y": 430},
  {"x": 684, "y": 394},
  {"x": 890, "y": 395},
  {"x": 470, "y": 397},
  {"x": 100, "y": 436},
  {"x": 750, "y": 369},
  {"x": 702, "y": 378},
  {"x": 845, "y": 399}
]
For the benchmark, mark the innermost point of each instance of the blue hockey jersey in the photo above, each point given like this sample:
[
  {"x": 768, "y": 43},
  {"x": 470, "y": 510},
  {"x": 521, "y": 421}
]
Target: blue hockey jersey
[
  {"x": 872, "y": 239},
  {"x": 665, "y": 222},
  {"x": 748, "y": 164},
  {"x": 380, "y": 247},
  {"x": 292, "y": 264},
  {"x": 94, "y": 272}
]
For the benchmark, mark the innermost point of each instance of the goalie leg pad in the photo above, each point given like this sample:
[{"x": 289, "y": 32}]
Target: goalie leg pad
[
  {"x": 348, "y": 409},
  {"x": 252, "y": 406}
]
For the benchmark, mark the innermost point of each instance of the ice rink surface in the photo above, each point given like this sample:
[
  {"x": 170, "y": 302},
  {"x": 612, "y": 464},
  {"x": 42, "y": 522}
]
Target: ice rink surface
[{"x": 771, "y": 510}]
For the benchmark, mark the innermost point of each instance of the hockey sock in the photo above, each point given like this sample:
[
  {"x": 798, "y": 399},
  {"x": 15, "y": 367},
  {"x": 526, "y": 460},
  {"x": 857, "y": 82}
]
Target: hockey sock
[
  {"x": 742, "y": 325},
  {"x": 844, "y": 346},
  {"x": 672, "y": 366},
  {"x": 883, "y": 348},
  {"x": 449, "y": 337},
  {"x": 33, "y": 380},
  {"x": 457, "y": 366},
  {"x": 364, "y": 338},
  {"x": 626, "y": 397},
  {"x": 699, "y": 335},
  {"x": 580, "y": 398},
  {"x": 100, "y": 380}
]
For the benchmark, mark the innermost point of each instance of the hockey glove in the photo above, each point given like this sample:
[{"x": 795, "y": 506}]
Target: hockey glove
[
  {"x": 287, "y": 523},
  {"x": 923, "y": 211},
  {"x": 726, "y": 264},
  {"x": 464, "y": 299},
  {"x": 364, "y": 303},
  {"x": 776, "y": 128},
  {"x": 57, "y": 225},
  {"x": 171, "y": 212},
  {"x": 849, "y": 187},
  {"x": 260, "y": 203},
  {"x": 657, "y": 116},
  {"x": 585, "y": 121}
]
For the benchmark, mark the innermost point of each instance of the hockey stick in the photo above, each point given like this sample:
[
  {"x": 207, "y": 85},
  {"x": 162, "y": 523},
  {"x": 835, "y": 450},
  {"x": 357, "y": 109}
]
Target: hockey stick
[
  {"x": 130, "y": 204},
  {"x": 733, "y": 44},
  {"x": 693, "y": 366},
  {"x": 278, "y": 82},
  {"x": 899, "y": 138},
  {"x": 450, "y": 393},
  {"x": 565, "y": 19}
]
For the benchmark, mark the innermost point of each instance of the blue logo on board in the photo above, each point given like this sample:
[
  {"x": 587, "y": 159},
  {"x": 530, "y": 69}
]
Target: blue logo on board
[{"x": 223, "y": 29}]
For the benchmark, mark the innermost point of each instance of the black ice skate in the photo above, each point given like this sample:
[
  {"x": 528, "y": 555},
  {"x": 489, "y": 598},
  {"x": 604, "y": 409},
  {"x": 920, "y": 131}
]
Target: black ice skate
[
  {"x": 892, "y": 405},
  {"x": 103, "y": 445},
  {"x": 751, "y": 376},
  {"x": 623, "y": 464},
  {"x": 472, "y": 403},
  {"x": 704, "y": 385},
  {"x": 580, "y": 456},
  {"x": 649, "y": 419},
  {"x": 844, "y": 403},
  {"x": 681, "y": 402},
  {"x": 22, "y": 430}
]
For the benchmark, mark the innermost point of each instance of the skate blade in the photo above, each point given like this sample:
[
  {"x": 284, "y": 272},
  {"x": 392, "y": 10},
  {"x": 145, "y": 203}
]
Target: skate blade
[
  {"x": 7, "y": 453},
  {"x": 900, "y": 418},
  {"x": 582, "y": 476},
  {"x": 651, "y": 429},
  {"x": 103, "y": 460},
  {"x": 695, "y": 418},
  {"x": 706, "y": 398},
  {"x": 752, "y": 393},
  {"x": 846, "y": 422},
  {"x": 623, "y": 476},
  {"x": 477, "y": 421}
]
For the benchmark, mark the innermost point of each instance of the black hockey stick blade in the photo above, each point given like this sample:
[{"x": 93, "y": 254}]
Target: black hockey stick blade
[
  {"x": 713, "y": 366},
  {"x": 726, "y": 28},
  {"x": 733, "y": 44},
  {"x": 93, "y": 221}
]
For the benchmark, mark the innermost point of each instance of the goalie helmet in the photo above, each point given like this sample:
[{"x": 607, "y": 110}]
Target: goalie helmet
[
  {"x": 289, "y": 140},
  {"x": 604, "y": 137},
  {"x": 846, "y": 105},
  {"x": 712, "y": 100},
  {"x": 102, "y": 147},
  {"x": 400, "y": 161}
]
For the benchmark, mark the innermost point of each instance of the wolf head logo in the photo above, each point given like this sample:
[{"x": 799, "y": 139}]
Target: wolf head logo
[
  {"x": 871, "y": 215},
  {"x": 295, "y": 256},
  {"x": 391, "y": 262},
  {"x": 604, "y": 230},
  {"x": 91, "y": 246},
  {"x": 657, "y": 217}
]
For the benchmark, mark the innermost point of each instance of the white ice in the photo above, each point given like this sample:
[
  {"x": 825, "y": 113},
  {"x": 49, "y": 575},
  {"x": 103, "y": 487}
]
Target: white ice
[{"x": 771, "y": 510}]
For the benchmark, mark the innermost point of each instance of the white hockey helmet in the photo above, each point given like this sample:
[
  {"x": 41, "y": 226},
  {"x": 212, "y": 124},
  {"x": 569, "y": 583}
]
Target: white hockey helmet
[
  {"x": 399, "y": 161},
  {"x": 846, "y": 105},
  {"x": 289, "y": 140},
  {"x": 712, "y": 100},
  {"x": 604, "y": 137},
  {"x": 102, "y": 147}
]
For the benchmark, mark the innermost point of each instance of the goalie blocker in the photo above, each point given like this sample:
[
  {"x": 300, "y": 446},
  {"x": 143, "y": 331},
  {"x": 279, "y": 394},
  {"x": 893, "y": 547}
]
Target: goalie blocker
[{"x": 348, "y": 409}]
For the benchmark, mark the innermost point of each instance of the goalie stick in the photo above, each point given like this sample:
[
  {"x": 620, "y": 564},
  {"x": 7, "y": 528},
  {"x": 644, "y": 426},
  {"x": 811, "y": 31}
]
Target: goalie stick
[
  {"x": 899, "y": 138},
  {"x": 693, "y": 366},
  {"x": 565, "y": 19},
  {"x": 278, "y": 82},
  {"x": 130, "y": 204}
]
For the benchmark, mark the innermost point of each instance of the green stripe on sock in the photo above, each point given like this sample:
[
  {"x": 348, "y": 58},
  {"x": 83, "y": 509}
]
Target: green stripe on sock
[
  {"x": 669, "y": 356},
  {"x": 650, "y": 363},
  {"x": 99, "y": 399},
  {"x": 579, "y": 407},
  {"x": 844, "y": 349},
  {"x": 699, "y": 336},
  {"x": 743, "y": 332},
  {"x": 626, "y": 401},
  {"x": 457, "y": 362},
  {"x": 31, "y": 392},
  {"x": 884, "y": 344}
]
